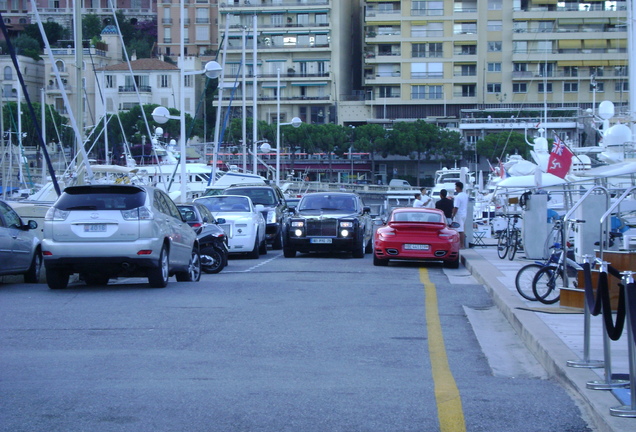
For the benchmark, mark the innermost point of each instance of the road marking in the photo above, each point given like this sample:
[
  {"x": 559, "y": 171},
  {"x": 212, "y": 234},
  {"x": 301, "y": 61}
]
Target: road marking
[
  {"x": 260, "y": 263},
  {"x": 449, "y": 404}
]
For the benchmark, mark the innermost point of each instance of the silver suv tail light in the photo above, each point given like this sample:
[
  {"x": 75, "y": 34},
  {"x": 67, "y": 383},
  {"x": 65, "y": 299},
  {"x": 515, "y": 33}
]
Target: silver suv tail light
[
  {"x": 139, "y": 213},
  {"x": 56, "y": 214}
]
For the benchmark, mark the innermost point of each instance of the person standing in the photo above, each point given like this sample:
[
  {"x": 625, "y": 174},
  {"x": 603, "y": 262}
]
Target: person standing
[
  {"x": 446, "y": 205},
  {"x": 426, "y": 199},
  {"x": 418, "y": 201},
  {"x": 460, "y": 209}
]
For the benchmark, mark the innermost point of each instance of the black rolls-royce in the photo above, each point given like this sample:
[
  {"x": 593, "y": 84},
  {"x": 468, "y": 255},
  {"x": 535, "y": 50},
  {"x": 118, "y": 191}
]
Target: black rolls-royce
[{"x": 329, "y": 221}]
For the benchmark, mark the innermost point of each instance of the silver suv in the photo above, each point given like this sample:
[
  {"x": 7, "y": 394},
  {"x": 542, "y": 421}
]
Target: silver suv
[{"x": 107, "y": 231}]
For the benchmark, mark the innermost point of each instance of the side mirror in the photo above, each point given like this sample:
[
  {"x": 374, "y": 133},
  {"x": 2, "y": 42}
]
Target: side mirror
[
  {"x": 292, "y": 210},
  {"x": 220, "y": 221},
  {"x": 32, "y": 224},
  {"x": 259, "y": 208},
  {"x": 205, "y": 219}
]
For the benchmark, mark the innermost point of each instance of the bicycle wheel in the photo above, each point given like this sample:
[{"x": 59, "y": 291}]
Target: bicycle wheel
[
  {"x": 546, "y": 285},
  {"x": 524, "y": 278},
  {"x": 502, "y": 245},
  {"x": 514, "y": 244}
]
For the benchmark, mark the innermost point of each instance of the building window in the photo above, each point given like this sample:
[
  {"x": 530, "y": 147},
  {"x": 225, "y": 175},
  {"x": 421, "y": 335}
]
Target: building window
[
  {"x": 202, "y": 33},
  {"x": 495, "y": 25},
  {"x": 570, "y": 87},
  {"x": 427, "y": 50},
  {"x": 467, "y": 50},
  {"x": 494, "y": 46},
  {"x": 545, "y": 87},
  {"x": 110, "y": 81},
  {"x": 426, "y": 92},
  {"x": 600, "y": 87},
  {"x": 321, "y": 19},
  {"x": 188, "y": 80},
  {"x": 571, "y": 71},
  {"x": 620, "y": 87},
  {"x": 519, "y": 87},
  {"x": 468, "y": 90},
  {"x": 493, "y": 88},
  {"x": 494, "y": 67},
  {"x": 277, "y": 20},
  {"x": 427, "y": 70},
  {"x": 164, "y": 81},
  {"x": 494, "y": 4},
  {"x": 8, "y": 73},
  {"x": 429, "y": 7}
]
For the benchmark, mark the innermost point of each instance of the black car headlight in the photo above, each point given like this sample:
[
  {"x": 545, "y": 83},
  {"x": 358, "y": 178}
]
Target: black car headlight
[
  {"x": 346, "y": 229},
  {"x": 297, "y": 228}
]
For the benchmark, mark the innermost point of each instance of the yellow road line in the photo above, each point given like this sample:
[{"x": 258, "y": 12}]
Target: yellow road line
[{"x": 449, "y": 403}]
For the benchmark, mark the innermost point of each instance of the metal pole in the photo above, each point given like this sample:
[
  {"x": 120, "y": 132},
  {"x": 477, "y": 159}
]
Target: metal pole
[
  {"x": 244, "y": 97},
  {"x": 278, "y": 127},
  {"x": 608, "y": 383},
  {"x": 586, "y": 362},
  {"x": 255, "y": 95},
  {"x": 624, "y": 410}
]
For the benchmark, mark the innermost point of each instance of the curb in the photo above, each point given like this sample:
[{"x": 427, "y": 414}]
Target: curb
[{"x": 547, "y": 347}]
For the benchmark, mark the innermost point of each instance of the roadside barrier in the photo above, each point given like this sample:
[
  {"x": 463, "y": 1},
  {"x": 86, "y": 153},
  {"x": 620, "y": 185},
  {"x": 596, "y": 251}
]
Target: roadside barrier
[
  {"x": 601, "y": 304},
  {"x": 630, "y": 309}
]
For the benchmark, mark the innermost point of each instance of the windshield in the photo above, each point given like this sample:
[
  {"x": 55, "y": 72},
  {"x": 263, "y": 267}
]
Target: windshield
[
  {"x": 328, "y": 202},
  {"x": 261, "y": 196},
  {"x": 101, "y": 198},
  {"x": 404, "y": 216},
  {"x": 226, "y": 203}
]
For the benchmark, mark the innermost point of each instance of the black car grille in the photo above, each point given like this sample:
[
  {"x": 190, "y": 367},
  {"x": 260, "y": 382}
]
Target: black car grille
[{"x": 324, "y": 227}]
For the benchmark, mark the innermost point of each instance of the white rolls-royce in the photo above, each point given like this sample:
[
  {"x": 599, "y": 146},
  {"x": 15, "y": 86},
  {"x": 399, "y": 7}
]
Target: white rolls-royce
[{"x": 242, "y": 222}]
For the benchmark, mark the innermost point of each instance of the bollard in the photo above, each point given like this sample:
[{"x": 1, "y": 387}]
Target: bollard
[
  {"x": 586, "y": 362},
  {"x": 630, "y": 292},
  {"x": 608, "y": 383}
]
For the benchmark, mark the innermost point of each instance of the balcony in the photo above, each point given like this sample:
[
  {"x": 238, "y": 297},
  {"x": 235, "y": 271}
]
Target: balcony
[{"x": 131, "y": 89}]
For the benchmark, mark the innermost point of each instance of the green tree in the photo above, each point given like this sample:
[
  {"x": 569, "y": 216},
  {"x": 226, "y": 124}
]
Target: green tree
[
  {"x": 448, "y": 146},
  {"x": 371, "y": 138},
  {"x": 27, "y": 46},
  {"x": 91, "y": 27},
  {"x": 498, "y": 145},
  {"x": 53, "y": 121},
  {"x": 54, "y": 32}
]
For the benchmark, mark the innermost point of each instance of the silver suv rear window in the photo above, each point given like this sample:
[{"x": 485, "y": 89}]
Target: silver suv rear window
[{"x": 101, "y": 198}]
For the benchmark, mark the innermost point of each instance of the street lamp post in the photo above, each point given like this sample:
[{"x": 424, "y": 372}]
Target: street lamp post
[
  {"x": 296, "y": 122},
  {"x": 161, "y": 115}
]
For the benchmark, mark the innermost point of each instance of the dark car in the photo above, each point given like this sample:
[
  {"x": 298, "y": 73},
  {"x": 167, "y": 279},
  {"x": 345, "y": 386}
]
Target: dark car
[
  {"x": 275, "y": 210},
  {"x": 212, "y": 239},
  {"x": 329, "y": 221},
  {"x": 20, "y": 250}
]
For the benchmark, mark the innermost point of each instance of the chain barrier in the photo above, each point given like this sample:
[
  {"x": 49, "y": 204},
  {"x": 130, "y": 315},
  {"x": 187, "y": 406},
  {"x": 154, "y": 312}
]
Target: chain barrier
[
  {"x": 600, "y": 303},
  {"x": 630, "y": 299}
]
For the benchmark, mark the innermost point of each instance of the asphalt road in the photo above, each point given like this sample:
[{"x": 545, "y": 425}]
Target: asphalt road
[{"x": 313, "y": 343}]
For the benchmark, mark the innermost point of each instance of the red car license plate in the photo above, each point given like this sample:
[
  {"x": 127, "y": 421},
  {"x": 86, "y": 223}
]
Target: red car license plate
[{"x": 416, "y": 247}]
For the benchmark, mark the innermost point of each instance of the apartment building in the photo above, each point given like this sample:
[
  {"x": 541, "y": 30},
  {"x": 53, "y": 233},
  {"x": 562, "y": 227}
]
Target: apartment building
[
  {"x": 199, "y": 23},
  {"x": 441, "y": 59},
  {"x": 313, "y": 44},
  {"x": 61, "y": 11}
]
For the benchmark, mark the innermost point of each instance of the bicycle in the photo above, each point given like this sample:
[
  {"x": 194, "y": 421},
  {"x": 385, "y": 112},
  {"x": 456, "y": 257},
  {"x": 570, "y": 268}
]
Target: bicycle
[
  {"x": 525, "y": 275},
  {"x": 547, "y": 282},
  {"x": 510, "y": 238}
]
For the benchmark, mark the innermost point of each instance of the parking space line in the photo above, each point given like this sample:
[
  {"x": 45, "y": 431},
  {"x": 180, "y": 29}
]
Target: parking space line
[
  {"x": 449, "y": 405},
  {"x": 249, "y": 269}
]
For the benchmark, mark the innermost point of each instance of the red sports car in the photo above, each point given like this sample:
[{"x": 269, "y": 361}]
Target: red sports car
[{"x": 419, "y": 234}]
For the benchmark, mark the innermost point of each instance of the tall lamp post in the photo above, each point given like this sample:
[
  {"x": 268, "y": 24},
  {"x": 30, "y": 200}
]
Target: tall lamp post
[
  {"x": 265, "y": 147},
  {"x": 161, "y": 115}
]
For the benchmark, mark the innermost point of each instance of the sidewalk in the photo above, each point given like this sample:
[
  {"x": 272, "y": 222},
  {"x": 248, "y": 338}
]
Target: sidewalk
[{"x": 555, "y": 336}]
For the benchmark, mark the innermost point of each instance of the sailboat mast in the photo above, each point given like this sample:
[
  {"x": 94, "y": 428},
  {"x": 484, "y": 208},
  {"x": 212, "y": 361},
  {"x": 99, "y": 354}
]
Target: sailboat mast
[
  {"x": 631, "y": 57},
  {"x": 79, "y": 106}
]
